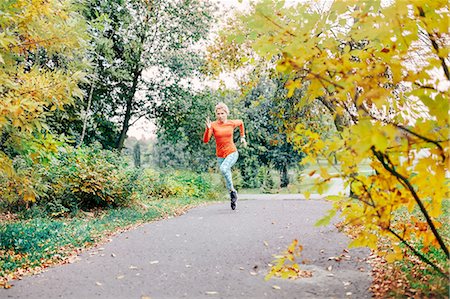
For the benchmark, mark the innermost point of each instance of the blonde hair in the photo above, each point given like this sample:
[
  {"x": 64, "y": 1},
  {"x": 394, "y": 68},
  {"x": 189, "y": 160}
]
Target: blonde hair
[{"x": 222, "y": 106}]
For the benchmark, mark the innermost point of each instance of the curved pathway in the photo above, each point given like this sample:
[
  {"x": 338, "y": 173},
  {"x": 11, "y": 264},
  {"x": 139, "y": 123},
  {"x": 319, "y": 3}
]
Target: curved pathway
[{"x": 213, "y": 252}]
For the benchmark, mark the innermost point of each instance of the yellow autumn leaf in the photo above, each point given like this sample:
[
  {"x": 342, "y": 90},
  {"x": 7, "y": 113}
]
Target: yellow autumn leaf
[
  {"x": 291, "y": 86},
  {"x": 392, "y": 257}
]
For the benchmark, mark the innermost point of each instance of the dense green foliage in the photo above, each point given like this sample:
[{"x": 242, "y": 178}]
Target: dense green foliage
[
  {"x": 72, "y": 178},
  {"x": 263, "y": 108},
  {"x": 180, "y": 184},
  {"x": 180, "y": 120}
]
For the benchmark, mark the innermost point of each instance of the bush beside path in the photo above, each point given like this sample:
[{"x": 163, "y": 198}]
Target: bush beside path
[{"x": 213, "y": 252}]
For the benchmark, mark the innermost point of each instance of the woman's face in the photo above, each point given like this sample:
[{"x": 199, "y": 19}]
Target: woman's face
[{"x": 221, "y": 115}]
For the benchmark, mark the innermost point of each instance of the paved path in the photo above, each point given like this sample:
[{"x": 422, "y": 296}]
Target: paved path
[{"x": 212, "y": 252}]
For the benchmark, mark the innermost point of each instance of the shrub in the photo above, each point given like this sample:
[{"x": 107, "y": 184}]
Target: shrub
[
  {"x": 154, "y": 185},
  {"x": 249, "y": 166},
  {"x": 265, "y": 178},
  {"x": 238, "y": 181},
  {"x": 24, "y": 186},
  {"x": 87, "y": 177}
]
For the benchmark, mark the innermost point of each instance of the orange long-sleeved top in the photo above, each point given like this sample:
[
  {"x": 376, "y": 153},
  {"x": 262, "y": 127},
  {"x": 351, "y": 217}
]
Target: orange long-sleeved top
[{"x": 223, "y": 133}]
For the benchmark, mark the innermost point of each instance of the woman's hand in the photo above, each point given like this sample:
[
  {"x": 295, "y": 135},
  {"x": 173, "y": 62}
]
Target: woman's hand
[
  {"x": 243, "y": 142},
  {"x": 208, "y": 122}
]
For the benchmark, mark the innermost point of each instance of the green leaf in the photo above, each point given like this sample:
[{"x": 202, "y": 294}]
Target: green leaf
[{"x": 326, "y": 220}]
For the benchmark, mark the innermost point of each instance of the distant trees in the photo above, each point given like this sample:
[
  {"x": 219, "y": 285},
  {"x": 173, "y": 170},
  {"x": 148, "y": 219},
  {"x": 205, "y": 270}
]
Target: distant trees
[
  {"x": 142, "y": 53},
  {"x": 263, "y": 108},
  {"x": 180, "y": 121}
]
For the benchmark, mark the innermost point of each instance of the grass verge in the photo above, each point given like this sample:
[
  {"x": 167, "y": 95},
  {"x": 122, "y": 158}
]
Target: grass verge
[{"x": 28, "y": 246}]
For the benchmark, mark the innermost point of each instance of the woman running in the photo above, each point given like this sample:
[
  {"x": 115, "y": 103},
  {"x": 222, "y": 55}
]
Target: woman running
[{"x": 226, "y": 150}]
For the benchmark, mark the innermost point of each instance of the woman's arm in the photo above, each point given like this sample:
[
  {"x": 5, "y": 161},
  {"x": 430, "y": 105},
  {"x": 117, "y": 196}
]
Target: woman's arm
[
  {"x": 240, "y": 123},
  {"x": 208, "y": 132}
]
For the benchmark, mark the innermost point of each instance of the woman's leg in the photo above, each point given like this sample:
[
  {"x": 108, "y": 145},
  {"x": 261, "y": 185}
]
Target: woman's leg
[{"x": 225, "y": 165}]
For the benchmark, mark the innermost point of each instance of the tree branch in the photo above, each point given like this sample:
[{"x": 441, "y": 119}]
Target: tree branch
[
  {"x": 327, "y": 80},
  {"x": 137, "y": 118},
  {"x": 86, "y": 112},
  {"x": 435, "y": 142},
  {"x": 436, "y": 47},
  {"x": 425, "y": 86},
  {"x": 276, "y": 24},
  {"x": 387, "y": 164}
]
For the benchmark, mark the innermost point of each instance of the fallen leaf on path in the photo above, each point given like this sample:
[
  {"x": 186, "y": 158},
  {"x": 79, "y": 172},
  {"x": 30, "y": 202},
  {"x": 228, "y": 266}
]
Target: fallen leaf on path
[
  {"x": 145, "y": 297},
  {"x": 120, "y": 276},
  {"x": 266, "y": 244},
  {"x": 346, "y": 283},
  {"x": 154, "y": 262},
  {"x": 241, "y": 268},
  {"x": 335, "y": 258},
  {"x": 133, "y": 267},
  {"x": 98, "y": 283},
  {"x": 72, "y": 260},
  {"x": 113, "y": 255},
  {"x": 276, "y": 287},
  {"x": 253, "y": 273},
  {"x": 330, "y": 267},
  {"x": 211, "y": 293},
  {"x": 348, "y": 293}
]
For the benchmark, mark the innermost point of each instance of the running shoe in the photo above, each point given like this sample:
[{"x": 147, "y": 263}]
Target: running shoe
[{"x": 233, "y": 196}]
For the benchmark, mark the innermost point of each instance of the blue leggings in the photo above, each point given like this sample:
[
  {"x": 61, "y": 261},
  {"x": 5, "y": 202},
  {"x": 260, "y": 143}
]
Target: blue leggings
[{"x": 225, "y": 165}]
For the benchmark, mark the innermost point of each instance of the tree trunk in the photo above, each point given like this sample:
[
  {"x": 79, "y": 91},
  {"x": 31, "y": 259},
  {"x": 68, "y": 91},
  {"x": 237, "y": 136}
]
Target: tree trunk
[
  {"x": 284, "y": 177},
  {"x": 125, "y": 125},
  {"x": 137, "y": 155},
  {"x": 86, "y": 112},
  {"x": 128, "y": 111}
]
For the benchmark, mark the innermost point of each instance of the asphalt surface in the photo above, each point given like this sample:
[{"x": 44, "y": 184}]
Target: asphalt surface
[{"x": 213, "y": 252}]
